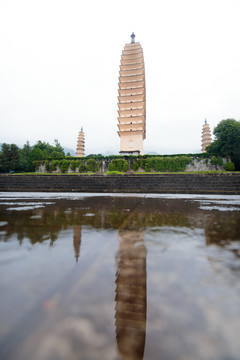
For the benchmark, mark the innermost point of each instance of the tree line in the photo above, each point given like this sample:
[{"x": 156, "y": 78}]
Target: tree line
[{"x": 13, "y": 158}]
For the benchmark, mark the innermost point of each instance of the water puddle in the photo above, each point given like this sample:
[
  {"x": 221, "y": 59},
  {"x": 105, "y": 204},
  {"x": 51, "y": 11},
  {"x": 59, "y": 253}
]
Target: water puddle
[{"x": 87, "y": 276}]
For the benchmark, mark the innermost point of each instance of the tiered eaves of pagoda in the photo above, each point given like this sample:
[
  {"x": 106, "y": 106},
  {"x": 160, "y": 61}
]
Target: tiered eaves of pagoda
[
  {"x": 80, "y": 144},
  {"x": 132, "y": 99},
  {"x": 206, "y": 136}
]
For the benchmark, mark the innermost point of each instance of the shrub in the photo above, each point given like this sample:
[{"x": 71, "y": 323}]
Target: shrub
[
  {"x": 229, "y": 166},
  {"x": 135, "y": 166},
  {"x": 147, "y": 167},
  {"x": 154, "y": 163},
  {"x": 73, "y": 165},
  {"x": 119, "y": 164},
  {"x": 214, "y": 160},
  {"x": 53, "y": 165},
  {"x": 63, "y": 165},
  {"x": 82, "y": 167},
  {"x": 142, "y": 163},
  {"x": 77, "y": 163},
  {"x": 47, "y": 167},
  {"x": 112, "y": 166},
  {"x": 159, "y": 164},
  {"x": 169, "y": 166},
  {"x": 92, "y": 165},
  {"x": 167, "y": 163},
  {"x": 125, "y": 166},
  {"x": 184, "y": 161}
]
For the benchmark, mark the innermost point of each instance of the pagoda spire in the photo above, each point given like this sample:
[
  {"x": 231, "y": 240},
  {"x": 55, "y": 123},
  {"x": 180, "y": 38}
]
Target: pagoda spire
[{"x": 132, "y": 38}]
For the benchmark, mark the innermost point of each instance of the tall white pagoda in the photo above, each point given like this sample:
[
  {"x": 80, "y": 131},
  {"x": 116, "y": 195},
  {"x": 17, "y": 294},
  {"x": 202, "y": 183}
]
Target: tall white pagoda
[{"x": 132, "y": 99}]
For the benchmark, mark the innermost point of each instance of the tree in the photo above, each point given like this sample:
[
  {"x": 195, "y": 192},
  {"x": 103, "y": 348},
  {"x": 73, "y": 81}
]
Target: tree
[
  {"x": 49, "y": 149},
  {"x": 13, "y": 158},
  {"x": 9, "y": 157},
  {"x": 56, "y": 155},
  {"x": 58, "y": 147},
  {"x": 24, "y": 157},
  {"x": 227, "y": 141},
  {"x": 44, "y": 151}
]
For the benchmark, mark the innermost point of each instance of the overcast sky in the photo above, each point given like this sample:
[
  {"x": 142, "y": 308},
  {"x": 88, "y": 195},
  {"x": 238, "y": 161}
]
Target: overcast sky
[{"x": 59, "y": 68}]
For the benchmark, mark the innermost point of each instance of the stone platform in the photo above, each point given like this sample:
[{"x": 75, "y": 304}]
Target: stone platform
[{"x": 224, "y": 183}]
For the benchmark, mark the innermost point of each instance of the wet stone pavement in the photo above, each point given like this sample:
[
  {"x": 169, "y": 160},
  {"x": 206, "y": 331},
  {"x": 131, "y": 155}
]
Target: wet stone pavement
[{"x": 116, "y": 276}]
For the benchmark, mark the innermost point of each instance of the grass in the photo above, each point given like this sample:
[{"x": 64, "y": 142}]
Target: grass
[
  {"x": 39, "y": 173},
  {"x": 182, "y": 172},
  {"x": 114, "y": 173},
  {"x": 131, "y": 173}
]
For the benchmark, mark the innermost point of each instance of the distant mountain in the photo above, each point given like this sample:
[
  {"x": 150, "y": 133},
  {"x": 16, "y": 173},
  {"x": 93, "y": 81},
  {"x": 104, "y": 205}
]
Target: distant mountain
[
  {"x": 108, "y": 153},
  {"x": 151, "y": 153},
  {"x": 71, "y": 151}
]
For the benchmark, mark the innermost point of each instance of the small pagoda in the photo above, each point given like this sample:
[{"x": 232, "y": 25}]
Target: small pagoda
[
  {"x": 206, "y": 136},
  {"x": 80, "y": 151}
]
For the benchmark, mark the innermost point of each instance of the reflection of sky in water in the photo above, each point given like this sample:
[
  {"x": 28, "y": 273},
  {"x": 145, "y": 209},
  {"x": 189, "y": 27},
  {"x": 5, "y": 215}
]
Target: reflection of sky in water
[
  {"x": 20, "y": 205},
  {"x": 232, "y": 204},
  {"x": 78, "y": 196},
  {"x": 219, "y": 208},
  {"x": 115, "y": 276}
]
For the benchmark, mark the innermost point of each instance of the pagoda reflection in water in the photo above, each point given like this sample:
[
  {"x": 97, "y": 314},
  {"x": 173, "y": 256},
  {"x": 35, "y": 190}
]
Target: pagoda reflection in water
[
  {"x": 130, "y": 309},
  {"x": 77, "y": 235}
]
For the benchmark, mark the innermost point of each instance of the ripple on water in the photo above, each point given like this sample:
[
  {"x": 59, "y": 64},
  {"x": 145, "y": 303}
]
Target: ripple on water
[{"x": 159, "y": 239}]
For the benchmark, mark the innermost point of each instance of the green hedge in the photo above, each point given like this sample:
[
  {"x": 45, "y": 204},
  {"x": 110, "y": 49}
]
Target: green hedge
[
  {"x": 64, "y": 165},
  {"x": 176, "y": 163},
  {"x": 118, "y": 165},
  {"x": 53, "y": 165},
  {"x": 82, "y": 167},
  {"x": 148, "y": 163},
  {"x": 92, "y": 165}
]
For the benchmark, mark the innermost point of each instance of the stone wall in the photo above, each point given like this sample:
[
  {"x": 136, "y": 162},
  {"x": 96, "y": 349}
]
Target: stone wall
[
  {"x": 224, "y": 183},
  {"x": 197, "y": 164},
  {"x": 205, "y": 165}
]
